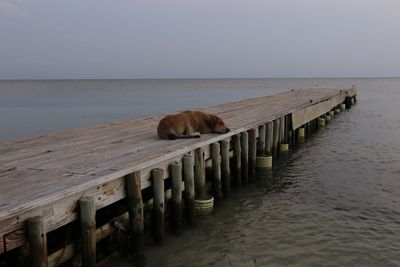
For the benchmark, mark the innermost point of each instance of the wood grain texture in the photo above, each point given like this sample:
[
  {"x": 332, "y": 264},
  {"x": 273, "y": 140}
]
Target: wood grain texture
[{"x": 46, "y": 175}]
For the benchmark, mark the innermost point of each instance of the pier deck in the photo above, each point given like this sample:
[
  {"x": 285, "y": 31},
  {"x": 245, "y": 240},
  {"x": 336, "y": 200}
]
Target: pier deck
[{"x": 46, "y": 175}]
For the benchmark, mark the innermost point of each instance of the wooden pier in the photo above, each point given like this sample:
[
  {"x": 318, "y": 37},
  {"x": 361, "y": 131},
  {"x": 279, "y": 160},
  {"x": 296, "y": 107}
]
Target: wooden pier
[{"x": 49, "y": 182}]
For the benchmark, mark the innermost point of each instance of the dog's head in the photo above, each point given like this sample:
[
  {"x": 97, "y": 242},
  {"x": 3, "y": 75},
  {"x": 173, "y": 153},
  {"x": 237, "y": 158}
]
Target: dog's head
[{"x": 217, "y": 125}]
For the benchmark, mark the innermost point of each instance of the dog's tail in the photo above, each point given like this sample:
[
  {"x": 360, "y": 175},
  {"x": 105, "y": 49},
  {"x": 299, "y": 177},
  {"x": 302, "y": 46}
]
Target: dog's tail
[{"x": 174, "y": 136}]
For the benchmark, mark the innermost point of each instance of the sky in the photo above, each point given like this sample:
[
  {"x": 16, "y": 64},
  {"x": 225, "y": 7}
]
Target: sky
[{"x": 104, "y": 39}]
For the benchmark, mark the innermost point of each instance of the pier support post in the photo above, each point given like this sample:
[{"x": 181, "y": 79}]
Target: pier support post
[
  {"x": 176, "y": 196},
  {"x": 283, "y": 146},
  {"x": 88, "y": 231},
  {"x": 245, "y": 156},
  {"x": 216, "y": 169},
  {"x": 301, "y": 136},
  {"x": 135, "y": 211},
  {"x": 225, "y": 168},
  {"x": 328, "y": 118},
  {"x": 342, "y": 106},
  {"x": 200, "y": 174},
  {"x": 269, "y": 138},
  {"x": 261, "y": 140},
  {"x": 37, "y": 241},
  {"x": 188, "y": 174},
  {"x": 237, "y": 174},
  {"x": 348, "y": 102},
  {"x": 252, "y": 152},
  {"x": 276, "y": 137},
  {"x": 321, "y": 122},
  {"x": 158, "y": 223}
]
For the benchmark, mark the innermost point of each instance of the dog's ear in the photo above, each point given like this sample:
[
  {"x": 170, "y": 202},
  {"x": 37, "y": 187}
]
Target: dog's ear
[{"x": 212, "y": 121}]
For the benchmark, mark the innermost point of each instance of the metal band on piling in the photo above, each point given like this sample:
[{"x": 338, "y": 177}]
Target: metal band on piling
[
  {"x": 176, "y": 196},
  {"x": 216, "y": 169},
  {"x": 37, "y": 241},
  {"x": 158, "y": 223},
  {"x": 321, "y": 122},
  {"x": 188, "y": 174},
  {"x": 135, "y": 210},
  {"x": 88, "y": 231}
]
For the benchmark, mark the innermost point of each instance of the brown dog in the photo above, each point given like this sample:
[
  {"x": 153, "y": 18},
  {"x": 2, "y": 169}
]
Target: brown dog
[{"x": 190, "y": 124}]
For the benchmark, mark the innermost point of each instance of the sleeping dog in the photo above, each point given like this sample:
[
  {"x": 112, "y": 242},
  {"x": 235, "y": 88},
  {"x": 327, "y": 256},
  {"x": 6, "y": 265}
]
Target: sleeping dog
[{"x": 190, "y": 124}]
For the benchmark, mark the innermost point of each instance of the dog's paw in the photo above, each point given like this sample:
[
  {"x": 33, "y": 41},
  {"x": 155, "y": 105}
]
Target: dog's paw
[{"x": 196, "y": 134}]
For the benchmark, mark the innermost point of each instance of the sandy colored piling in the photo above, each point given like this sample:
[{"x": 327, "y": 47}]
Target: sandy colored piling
[
  {"x": 301, "y": 135},
  {"x": 321, "y": 122},
  {"x": 37, "y": 241},
  {"x": 225, "y": 168},
  {"x": 188, "y": 174},
  {"x": 284, "y": 148},
  {"x": 88, "y": 231},
  {"x": 264, "y": 162},
  {"x": 328, "y": 119},
  {"x": 135, "y": 210},
  {"x": 158, "y": 217}
]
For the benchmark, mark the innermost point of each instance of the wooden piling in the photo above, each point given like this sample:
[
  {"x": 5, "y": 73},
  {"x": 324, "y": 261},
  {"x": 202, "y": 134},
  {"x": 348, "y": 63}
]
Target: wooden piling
[
  {"x": 135, "y": 210},
  {"x": 237, "y": 168},
  {"x": 261, "y": 141},
  {"x": 158, "y": 223},
  {"x": 276, "y": 137},
  {"x": 269, "y": 138},
  {"x": 301, "y": 135},
  {"x": 88, "y": 231},
  {"x": 282, "y": 130},
  {"x": 252, "y": 152},
  {"x": 37, "y": 241},
  {"x": 216, "y": 170},
  {"x": 200, "y": 174},
  {"x": 176, "y": 196},
  {"x": 225, "y": 167},
  {"x": 188, "y": 174},
  {"x": 348, "y": 102},
  {"x": 245, "y": 156}
]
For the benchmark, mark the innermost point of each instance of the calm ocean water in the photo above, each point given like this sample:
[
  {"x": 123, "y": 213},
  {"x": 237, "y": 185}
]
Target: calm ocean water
[{"x": 335, "y": 201}]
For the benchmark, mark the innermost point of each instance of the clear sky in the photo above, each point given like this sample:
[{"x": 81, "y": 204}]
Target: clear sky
[{"x": 54, "y": 39}]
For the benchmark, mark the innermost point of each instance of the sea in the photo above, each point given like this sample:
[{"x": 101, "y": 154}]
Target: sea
[{"x": 333, "y": 201}]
